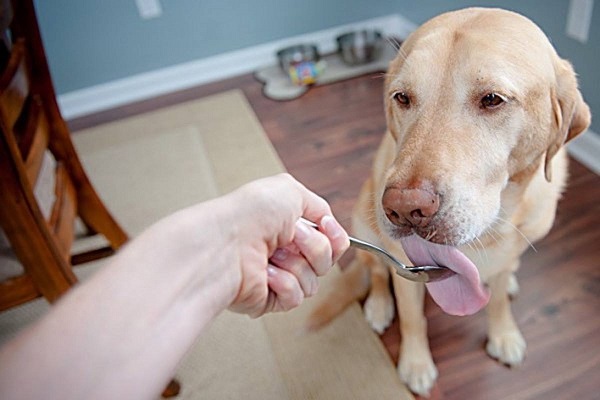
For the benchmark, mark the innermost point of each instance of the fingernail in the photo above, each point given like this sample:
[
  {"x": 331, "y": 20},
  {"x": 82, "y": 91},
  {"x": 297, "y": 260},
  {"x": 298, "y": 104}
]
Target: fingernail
[
  {"x": 271, "y": 271},
  {"x": 280, "y": 254},
  {"x": 302, "y": 231},
  {"x": 331, "y": 227}
]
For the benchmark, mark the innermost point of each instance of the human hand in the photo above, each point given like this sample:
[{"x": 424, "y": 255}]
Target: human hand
[{"x": 280, "y": 257}]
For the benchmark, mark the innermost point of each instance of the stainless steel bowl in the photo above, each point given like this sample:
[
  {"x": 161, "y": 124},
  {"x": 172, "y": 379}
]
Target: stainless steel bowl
[
  {"x": 360, "y": 47},
  {"x": 297, "y": 54}
]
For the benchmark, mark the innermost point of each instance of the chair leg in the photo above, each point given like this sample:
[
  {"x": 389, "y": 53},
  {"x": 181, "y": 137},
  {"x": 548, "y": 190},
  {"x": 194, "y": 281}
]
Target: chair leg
[
  {"x": 172, "y": 389},
  {"x": 91, "y": 255},
  {"x": 96, "y": 216},
  {"x": 31, "y": 240}
]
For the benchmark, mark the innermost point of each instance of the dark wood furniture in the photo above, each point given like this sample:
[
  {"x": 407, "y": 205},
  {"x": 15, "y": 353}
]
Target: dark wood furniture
[{"x": 32, "y": 127}]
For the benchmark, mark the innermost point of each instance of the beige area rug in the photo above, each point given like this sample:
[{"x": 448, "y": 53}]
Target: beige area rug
[{"x": 148, "y": 166}]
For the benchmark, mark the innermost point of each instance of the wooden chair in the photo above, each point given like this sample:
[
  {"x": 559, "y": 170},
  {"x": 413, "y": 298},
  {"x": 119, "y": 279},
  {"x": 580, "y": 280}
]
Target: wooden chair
[
  {"x": 30, "y": 125},
  {"x": 31, "y": 128},
  {"x": 42, "y": 246}
]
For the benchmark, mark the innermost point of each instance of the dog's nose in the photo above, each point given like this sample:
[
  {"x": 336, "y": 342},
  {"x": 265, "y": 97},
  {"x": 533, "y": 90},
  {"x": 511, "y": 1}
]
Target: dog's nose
[{"x": 410, "y": 206}]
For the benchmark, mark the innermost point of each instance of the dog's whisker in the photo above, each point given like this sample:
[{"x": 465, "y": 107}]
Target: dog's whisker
[
  {"x": 403, "y": 54},
  {"x": 392, "y": 41},
  {"x": 386, "y": 74},
  {"x": 378, "y": 75},
  {"x": 475, "y": 248},
  {"x": 494, "y": 233},
  {"x": 471, "y": 245},
  {"x": 518, "y": 231},
  {"x": 481, "y": 250},
  {"x": 431, "y": 234}
]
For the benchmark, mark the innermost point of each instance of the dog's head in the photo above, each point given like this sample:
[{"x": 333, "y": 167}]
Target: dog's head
[{"x": 477, "y": 99}]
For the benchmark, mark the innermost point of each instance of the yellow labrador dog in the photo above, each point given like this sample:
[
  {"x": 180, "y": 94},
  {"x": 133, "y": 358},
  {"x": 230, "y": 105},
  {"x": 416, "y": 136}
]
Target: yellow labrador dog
[{"x": 478, "y": 107}]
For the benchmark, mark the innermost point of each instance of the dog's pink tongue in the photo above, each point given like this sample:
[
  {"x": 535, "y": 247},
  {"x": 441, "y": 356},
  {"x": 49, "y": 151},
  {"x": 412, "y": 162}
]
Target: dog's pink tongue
[{"x": 460, "y": 294}]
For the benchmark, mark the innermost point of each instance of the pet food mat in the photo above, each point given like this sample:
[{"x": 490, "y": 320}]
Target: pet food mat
[{"x": 278, "y": 85}]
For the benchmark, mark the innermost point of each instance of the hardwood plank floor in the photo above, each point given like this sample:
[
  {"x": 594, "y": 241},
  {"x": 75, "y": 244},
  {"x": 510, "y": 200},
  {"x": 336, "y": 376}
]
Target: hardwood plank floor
[{"x": 327, "y": 139}]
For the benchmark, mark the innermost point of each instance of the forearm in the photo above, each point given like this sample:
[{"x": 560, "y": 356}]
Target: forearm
[
  {"x": 149, "y": 297},
  {"x": 121, "y": 333}
]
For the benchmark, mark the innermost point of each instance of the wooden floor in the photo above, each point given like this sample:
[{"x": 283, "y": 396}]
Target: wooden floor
[{"x": 327, "y": 138}]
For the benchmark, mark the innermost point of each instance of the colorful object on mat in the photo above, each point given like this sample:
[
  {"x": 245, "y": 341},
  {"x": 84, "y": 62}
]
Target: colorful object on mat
[{"x": 305, "y": 72}]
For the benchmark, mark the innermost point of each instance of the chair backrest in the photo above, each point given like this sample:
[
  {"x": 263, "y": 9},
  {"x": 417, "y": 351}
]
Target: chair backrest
[
  {"x": 24, "y": 138},
  {"x": 21, "y": 113},
  {"x": 32, "y": 134}
]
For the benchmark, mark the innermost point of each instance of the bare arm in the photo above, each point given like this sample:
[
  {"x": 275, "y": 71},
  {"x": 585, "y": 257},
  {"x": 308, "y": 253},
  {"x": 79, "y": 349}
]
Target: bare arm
[{"x": 122, "y": 333}]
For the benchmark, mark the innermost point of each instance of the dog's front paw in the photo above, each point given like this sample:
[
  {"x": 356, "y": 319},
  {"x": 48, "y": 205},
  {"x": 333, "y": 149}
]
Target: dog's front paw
[
  {"x": 508, "y": 348},
  {"x": 379, "y": 311},
  {"x": 418, "y": 374},
  {"x": 513, "y": 286}
]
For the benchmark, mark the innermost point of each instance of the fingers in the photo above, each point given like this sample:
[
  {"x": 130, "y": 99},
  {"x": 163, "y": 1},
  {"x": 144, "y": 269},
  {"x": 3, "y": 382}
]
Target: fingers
[
  {"x": 285, "y": 289},
  {"x": 293, "y": 270},
  {"x": 297, "y": 265},
  {"x": 297, "y": 254},
  {"x": 315, "y": 247},
  {"x": 323, "y": 247},
  {"x": 336, "y": 235},
  {"x": 318, "y": 210}
]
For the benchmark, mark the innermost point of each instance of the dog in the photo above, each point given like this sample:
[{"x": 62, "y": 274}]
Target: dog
[{"x": 478, "y": 108}]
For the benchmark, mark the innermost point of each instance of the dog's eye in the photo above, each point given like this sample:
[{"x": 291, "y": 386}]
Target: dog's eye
[
  {"x": 402, "y": 99},
  {"x": 491, "y": 100}
]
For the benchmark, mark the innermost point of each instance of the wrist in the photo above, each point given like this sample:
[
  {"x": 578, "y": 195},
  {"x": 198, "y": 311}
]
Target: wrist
[
  {"x": 212, "y": 232},
  {"x": 192, "y": 251}
]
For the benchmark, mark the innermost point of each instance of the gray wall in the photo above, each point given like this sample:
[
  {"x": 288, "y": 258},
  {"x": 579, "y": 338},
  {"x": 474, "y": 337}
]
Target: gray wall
[
  {"x": 90, "y": 42},
  {"x": 95, "y": 41}
]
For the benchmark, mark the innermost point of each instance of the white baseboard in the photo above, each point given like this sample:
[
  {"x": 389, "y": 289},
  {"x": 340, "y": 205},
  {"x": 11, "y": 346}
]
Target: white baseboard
[
  {"x": 183, "y": 76},
  {"x": 586, "y": 150}
]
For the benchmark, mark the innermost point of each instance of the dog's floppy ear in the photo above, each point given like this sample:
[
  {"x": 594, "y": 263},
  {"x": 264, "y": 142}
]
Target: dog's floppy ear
[{"x": 571, "y": 114}]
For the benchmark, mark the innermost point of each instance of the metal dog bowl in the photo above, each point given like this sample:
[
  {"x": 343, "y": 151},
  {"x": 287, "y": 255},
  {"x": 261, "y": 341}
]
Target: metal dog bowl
[{"x": 360, "y": 47}]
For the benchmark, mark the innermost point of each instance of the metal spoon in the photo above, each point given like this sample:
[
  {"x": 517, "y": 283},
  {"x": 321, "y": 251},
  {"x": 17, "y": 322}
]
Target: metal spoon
[{"x": 424, "y": 273}]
